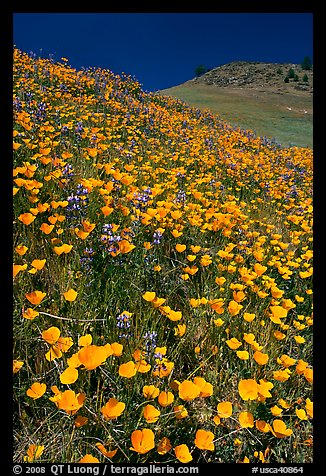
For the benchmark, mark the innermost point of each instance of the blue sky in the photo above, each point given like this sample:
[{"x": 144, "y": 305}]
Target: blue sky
[{"x": 163, "y": 49}]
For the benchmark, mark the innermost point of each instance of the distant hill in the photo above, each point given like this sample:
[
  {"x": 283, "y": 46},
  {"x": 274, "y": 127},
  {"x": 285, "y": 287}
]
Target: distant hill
[
  {"x": 258, "y": 75},
  {"x": 254, "y": 96}
]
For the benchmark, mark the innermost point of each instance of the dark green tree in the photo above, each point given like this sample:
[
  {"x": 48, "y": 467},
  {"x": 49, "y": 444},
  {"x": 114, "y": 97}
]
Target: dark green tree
[
  {"x": 306, "y": 63},
  {"x": 200, "y": 70},
  {"x": 305, "y": 78},
  {"x": 291, "y": 73},
  {"x": 279, "y": 71},
  {"x": 286, "y": 79},
  {"x": 296, "y": 78}
]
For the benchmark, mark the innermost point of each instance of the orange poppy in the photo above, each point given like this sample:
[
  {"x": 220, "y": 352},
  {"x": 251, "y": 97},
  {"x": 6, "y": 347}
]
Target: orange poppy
[
  {"x": 204, "y": 440},
  {"x": 35, "y": 297},
  {"x": 151, "y": 414},
  {"x": 112, "y": 409},
  {"x": 92, "y": 356},
  {"x": 182, "y": 453},
  {"x": 128, "y": 369},
  {"x": 142, "y": 441},
  {"x": 36, "y": 390}
]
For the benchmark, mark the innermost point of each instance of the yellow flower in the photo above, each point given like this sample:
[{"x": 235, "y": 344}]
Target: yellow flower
[
  {"x": 151, "y": 414},
  {"x": 112, "y": 409},
  {"x": 33, "y": 452},
  {"x": 142, "y": 441},
  {"x": 70, "y": 295},
  {"x": 204, "y": 440},
  {"x": 182, "y": 453},
  {"x": 36, "y": 390},
  {"x": 246, "y": 420},
  {"x": 248, "y": 389}
]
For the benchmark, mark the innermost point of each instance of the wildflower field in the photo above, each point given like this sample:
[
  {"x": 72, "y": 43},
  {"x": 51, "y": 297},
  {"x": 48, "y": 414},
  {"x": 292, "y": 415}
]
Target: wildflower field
[{"x": 162, "y": 278}]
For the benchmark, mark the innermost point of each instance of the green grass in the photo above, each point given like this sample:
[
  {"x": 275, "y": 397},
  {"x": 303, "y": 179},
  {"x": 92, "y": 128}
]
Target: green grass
[{"x": 264, "y": 113}]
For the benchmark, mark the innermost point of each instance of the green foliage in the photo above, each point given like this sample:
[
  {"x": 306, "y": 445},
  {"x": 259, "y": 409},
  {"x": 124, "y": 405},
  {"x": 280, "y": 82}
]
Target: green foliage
[
  {"x": 291, "y": 73},
  {"x": 306, "y": 63},
  {"x": 200, "y": 70},
  {"x": 305, "y": 78}
]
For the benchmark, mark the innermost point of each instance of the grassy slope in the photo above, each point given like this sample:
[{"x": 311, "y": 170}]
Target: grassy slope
[{"x": 263, "y": 112}]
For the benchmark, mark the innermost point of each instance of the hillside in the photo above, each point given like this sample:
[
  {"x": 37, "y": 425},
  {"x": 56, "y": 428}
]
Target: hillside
[
  {"x": 254, "y": 96},
  {"x": 162, "y": 279},
  {"x": 267, "y": 77}
]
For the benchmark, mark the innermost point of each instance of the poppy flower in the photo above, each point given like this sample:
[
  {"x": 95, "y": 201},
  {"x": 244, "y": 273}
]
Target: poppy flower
[
  {"x": 174, "y": 315},
  {"x": 180, "y": 412},
  {"x": 68, "y": 401},
  {"x": 51, "y": 335},
  {"x": 188, "y": 390},
  {"x": 262, "y": 426},
  {"x": 286, "y": 361},
  {"x": 277, "y": 313},
  {"x": 38, "y": 263},
  {"x": 70, "y": 295},
  {"x": 108, "y": 453},
  {"x": 224, "y": 409},
  {"x": 246, "y": 420},
  {"x": 26, "y": 218},
  {"x": 281, "y": 375},
  {"x": 33, "y": 453},
  {"x": 68, "y": 376},
  {"x": 53, "y": 353},
  {"x": 17, "y": 365},
  {"x": 309, "y": 408},
  {"x": 180, "y": 248},
  {"x": 308, "y": 374},
  {"x": 242, "y": 354},
  {"x": 249, "y": 317},
  {"x": 125, "y": 246},
  {"x": 301, "y": 414},
  {"x": 112, "y": 409},
  {"x": 276, "y": 411},
  {"x": 21, "y": 249},
  {"x": 182, "y": 453},
  {"x": 17, "y": 268},
  {"x": 248, "y": 389},
  {"x": 233, "y": 343},
  {"x": 30, "y": 313},
  {"x": 264, "y": 388},
  {"x": 128, "y": 369},
  {"x": 234, "y": 308},
  {"x": 80, "y": 421},
  {"x": 150, "y": 392},
  {"x": 165, "y": 399},
  {"x": 151, "y": 414},
  {"x": 92, "y": 356},
  {"x": 180, "y": 330},
  {"x": 88, "y": 458},
  {"x": 142, "y": 441},
  {"x": 204, "y": 440},
  {"x": 142, "y": 366},
  {"x": 85, "y": 340},
  {"x": 164, "y": 446},
  {"x": 117, "y": 349},
  {"x": 260, "y": 358},
  {"x": 62, "y": 249},
  {"x": 46, "y": 228},
  {"x": 279, "y": 429},
  {"x": 35, "y": 297},
  {"x": 149, "y": 296},
  {"x": 36, "y": 390},
  {"x": 206, "y": 388}
]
